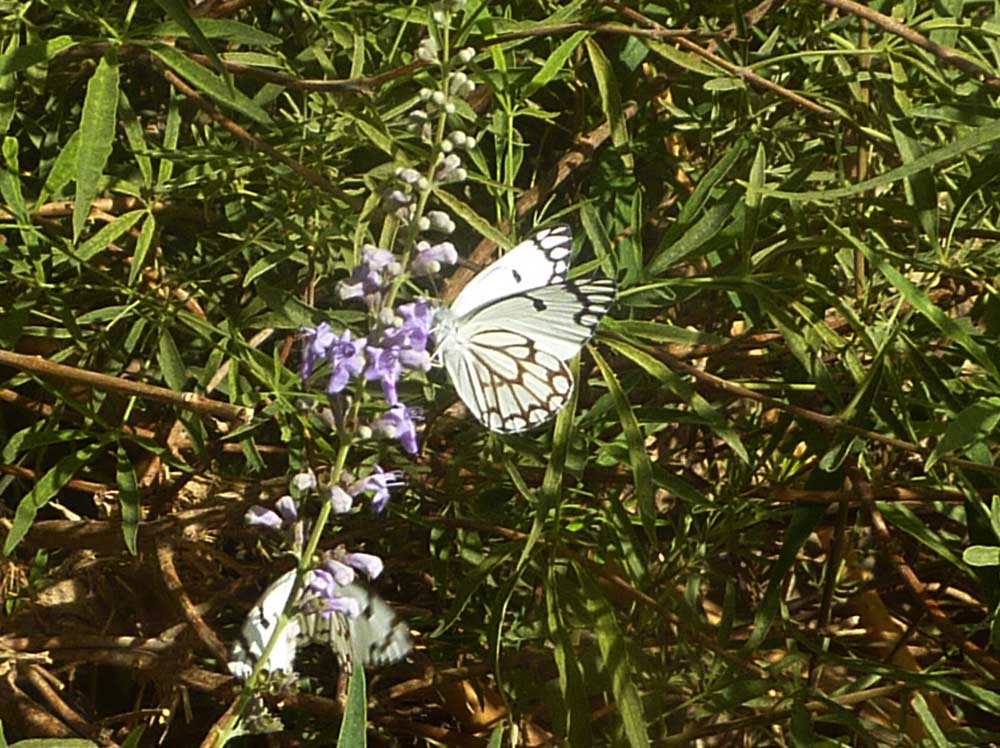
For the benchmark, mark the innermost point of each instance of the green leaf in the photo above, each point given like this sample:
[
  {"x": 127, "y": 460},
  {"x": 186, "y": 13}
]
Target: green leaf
[
  {"x": 97, "y": 130},
  {"x": 171, "y": 362},
  {"x": 697, "y": 236},
  {"x": 611, "y": 102},
  {"x": 178, "y": 12},
  {"x": 217, "y": 28},
  {"x": 982, "y": 555},
  {"x": 63, "y": 169},
  {"x": 555, "y": 62},
  {"x": 45, "y": 490},
  {"x": 209, "y": 83},
  {"x": 496, "y": 737},
  {"x": 469, "y": 215},
  {"x": 613, "y": 645},
  {"x": 109, "y": 233},
  {"x": 10, "y": 186},
  {"x": 975, "y": 424},
  {"x": 128, "y": 495},
  {"x": 753, "y": 200},
  {"x": 20, "y": 58},
  {"x": 353, "y": 725},
  {"x": 642, "y": 470},
  {"x": 142, "y": 245}
]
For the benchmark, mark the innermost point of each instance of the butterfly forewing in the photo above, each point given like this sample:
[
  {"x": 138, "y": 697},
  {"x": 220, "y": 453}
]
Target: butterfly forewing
[{"x": 535, "y": 262}]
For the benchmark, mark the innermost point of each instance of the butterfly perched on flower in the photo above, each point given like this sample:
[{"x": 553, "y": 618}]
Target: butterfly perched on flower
[
  {"x": 374, "y": 637},
  {"x": 506, "y": 338}
]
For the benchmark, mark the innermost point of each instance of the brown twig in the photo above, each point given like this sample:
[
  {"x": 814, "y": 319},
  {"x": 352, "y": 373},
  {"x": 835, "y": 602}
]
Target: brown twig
[
  {"x": 46, "y": 369},
  {"x": 947, "y": 55},
  {"x": 168, "y": 571},
  {"x": 740, "y": 72},
  {"x": 41, "y": 681},
  {"x": 919, "y": 590}
]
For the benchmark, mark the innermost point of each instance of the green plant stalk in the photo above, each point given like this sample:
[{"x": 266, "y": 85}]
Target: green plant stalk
[{"x": 226, "y": 731}]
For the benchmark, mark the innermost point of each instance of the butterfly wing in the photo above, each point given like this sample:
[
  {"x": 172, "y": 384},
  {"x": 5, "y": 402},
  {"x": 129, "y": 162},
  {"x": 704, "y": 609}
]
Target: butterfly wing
[
  {"x": 377, "y": 635},
  {"x": 507, "y": 359},
  {"x": 538, "y": 261},
  {"x": 257, "y": 630}
]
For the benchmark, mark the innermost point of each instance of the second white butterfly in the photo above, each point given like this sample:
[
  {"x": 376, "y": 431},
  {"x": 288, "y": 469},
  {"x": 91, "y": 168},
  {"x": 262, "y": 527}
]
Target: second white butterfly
[{"x": 506, "y": 338}]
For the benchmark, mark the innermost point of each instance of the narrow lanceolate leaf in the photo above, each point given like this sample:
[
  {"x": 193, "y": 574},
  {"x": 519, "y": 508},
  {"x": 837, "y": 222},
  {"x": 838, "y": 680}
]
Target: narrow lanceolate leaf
[
  {"x": 142, "y": 246},
  {"x": 617, "y": 664},
  {"x": 209, "y": 83},
  {"x": 128, "y": 496},
  {"x": 171, "y": 361},
  {"x": 611, "y": 98},
  {"x": 178, "y": 13},
  {"x": 353, "y": 733},
  {"x": 16, "y": 58},
  {"x": 555, "y": 62},
  {"x": 45, "y": 490},
  {"x": 642, "y": 470},
  {"x": 97, "y": 134},
  {"x": 973, "y": 425}
]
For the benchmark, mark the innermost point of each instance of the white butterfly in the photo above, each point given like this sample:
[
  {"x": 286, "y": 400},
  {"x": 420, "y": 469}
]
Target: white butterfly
[
  {"x": 374, "y": 637},
  {"x": 507, "y": 337}
]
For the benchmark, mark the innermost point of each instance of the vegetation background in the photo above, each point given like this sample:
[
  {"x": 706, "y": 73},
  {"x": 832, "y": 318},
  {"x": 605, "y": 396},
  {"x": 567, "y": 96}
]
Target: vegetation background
[{"x": 769, "y": 519}]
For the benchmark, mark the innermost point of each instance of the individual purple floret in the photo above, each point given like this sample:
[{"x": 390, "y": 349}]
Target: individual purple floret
[
  {"x": 366, "y": 563},
  {"x": 318, "y": 340},
  {"x": 347, "y": 358},
  {"x": 430, "y": 258},
  {"x": 340, "y": 500},
  {"x": 380, "y": 481},
  {"x": 399, "y": 422},
  {"x": 385, "y": 366},
  {"x": 342, "y": 572}
]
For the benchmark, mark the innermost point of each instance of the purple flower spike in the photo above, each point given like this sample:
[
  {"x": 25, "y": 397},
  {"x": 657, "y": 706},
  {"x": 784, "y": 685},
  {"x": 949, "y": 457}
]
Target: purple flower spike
[
  {"x": 258, "y": 516},
  {"x": 380, "y": 482},
  {"x": 370, "y": 565},
  {"x": 430, "y": 258},
  {"x": 417, "y": 317},
  {"x": 343, "y": 573},
  {"x": 318, "y": 340},
  {"x": 399, "y": 422},
  {"x": 340, "y": 500},
  {"x": 348, "y": 360}
]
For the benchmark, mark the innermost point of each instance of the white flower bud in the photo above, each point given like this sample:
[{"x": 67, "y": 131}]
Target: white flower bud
[
  {"x": 439, "y": 98},
  {"x": 449, "y": 108},
  {"x": 425, "y": 94},
  {"x": 387, "y": 317},
  {"x": 466, "y": 55},
  {"x": 364, "y": 432},
  {"x": 459, "y": 175},
  {"x": 439, "y": 15},
  {"x": 425, "y": 53},
  {"x": 447, "y": 146},
  {"x": 423, "y": 185},
  {"x": 424, "y": 224},
  {"x": 466, "y": 88},
  {"x": 456, "y": 81}
]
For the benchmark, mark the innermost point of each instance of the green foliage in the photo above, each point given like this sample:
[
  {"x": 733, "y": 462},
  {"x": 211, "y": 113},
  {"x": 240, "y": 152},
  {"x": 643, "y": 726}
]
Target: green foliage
[{"x": 800, "y": 210}]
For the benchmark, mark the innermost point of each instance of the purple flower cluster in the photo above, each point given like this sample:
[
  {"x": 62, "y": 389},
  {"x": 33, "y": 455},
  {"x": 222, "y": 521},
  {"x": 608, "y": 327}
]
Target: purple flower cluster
[
  {"x": 284, "y": 517},
  {"x": 400, "y": 346}
]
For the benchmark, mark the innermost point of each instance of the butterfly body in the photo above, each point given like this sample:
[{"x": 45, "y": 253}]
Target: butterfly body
[{"x": 506, "y": 338}]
